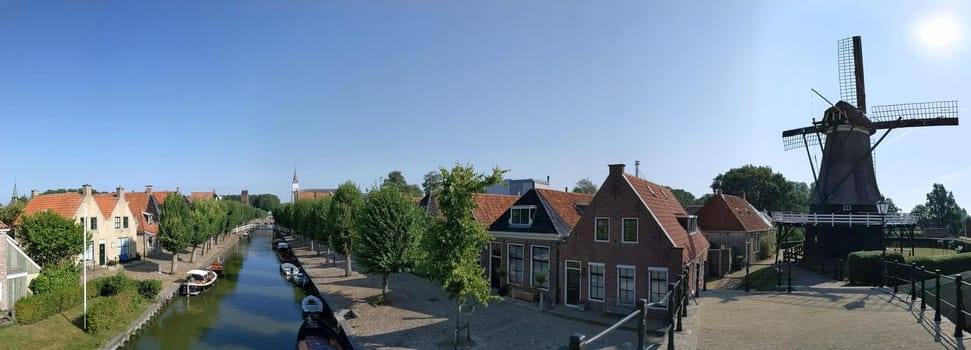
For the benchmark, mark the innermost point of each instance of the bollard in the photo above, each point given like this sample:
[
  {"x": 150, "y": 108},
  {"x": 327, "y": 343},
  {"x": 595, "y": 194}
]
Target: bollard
[
  {"x": 883, "y": 272},
  {"x": 937, "y": 295},
  {"x": 576, "y": 341},
  {"x": 923, "y": 291},
  {"x": 678, "y": 303},
  {"x": 704, "y": 284},
  {"x": 959, "y": 307},
  {"x": 671, "y": 316},
  {"x": 746, "y": 277},
  {"x": 894, "y": 278},
  {"x": 789, "y": 267},
  {"x": 697, "y": 279},
  {"x": 913, "y": 281},
  {"x": 684, "y": 293},
  {"x": 642, "y": 323}
]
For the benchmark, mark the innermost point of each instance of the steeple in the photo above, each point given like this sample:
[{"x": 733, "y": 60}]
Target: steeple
[
  {"x": 13, "y": 198},
  {"x": 295, "y": 187},
  {"x": 295, "y": 176}
]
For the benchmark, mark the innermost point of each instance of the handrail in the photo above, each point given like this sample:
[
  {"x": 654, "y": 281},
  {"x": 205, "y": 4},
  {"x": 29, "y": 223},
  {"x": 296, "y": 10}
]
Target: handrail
[
  {"x": 904, "y": 274},
  {"x": 866, "y": 219}
]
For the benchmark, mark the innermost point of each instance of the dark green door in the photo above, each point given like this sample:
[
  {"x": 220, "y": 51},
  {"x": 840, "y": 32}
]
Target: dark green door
[
  {"x": 572, "y": 282},
  {"x": 101, "y": 253}
]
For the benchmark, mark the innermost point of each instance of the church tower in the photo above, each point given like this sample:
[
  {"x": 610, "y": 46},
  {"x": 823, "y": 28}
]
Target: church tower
[{"x": 295, "y": 190}]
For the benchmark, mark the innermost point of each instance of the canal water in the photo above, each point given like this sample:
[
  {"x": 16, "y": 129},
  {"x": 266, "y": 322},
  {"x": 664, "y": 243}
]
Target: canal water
[{"x": 251, "y": 307}]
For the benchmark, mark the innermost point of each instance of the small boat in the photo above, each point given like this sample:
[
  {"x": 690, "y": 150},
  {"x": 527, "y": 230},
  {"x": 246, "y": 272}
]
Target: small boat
[
  {"x": 197, "y": 281},
  {"x": 299, "y": 279},
  {"x": 216, "y": 267},
  {"x": 289, "y": 269},
  {"x": 312, "y": 305},
  {"x": 283, "y": 247},
  {"x": 315, "y": 335},
  {"x": 288, "y": 258}
]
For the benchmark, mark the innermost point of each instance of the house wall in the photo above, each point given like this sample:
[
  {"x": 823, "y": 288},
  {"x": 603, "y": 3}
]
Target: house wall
[
  {"x": 106, "y": 230},
  {"x": 554, "y": 286},
  {"x": 122, "y": 210}
]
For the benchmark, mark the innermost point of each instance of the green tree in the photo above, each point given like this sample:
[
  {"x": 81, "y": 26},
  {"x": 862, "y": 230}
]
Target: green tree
[
  {"x": 207, "y": 219},
  {"x": 174, "y": 226},
  {"x": 51, "y": 239},
  {"x": 943, "y": 211},
  {"x": 684, "y": 197},
  {"x": 453, "y": 243},
  {"x": 10, "y": 212},
  {"x": 341, "y": 222},
  {"x": 265, "y": 201},
  {"x": 389, "y": 229},
  {"x": 765, "y": 189},
  {"x": 397, "y": 180},
  {"x": 585, "y": 186}
]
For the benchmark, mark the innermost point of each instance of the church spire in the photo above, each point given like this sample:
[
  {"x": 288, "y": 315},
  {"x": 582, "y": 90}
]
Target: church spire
[
  {"x": 295, "y": 175},
  {"x": 13, "y": 198}
]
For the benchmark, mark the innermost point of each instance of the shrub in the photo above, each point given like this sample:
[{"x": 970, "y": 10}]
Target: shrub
[
  {"x": 949, "y": 264},
  {"x": 103, "y": 313},
  {"x": 56, "y": 277},
  {"x": 149, "y": 289},
  {"x": 116, "y": 284},
  {"x": 864, "y": 267},
  {"x": 32, "y": 309}
]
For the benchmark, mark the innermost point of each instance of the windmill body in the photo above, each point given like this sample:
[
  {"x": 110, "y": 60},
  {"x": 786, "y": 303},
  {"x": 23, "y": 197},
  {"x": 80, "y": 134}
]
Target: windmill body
[{"x": 847, "y": 182}]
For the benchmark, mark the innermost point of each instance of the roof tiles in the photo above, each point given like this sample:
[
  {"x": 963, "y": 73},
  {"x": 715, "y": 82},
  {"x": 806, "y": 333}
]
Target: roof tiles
[
  {"x": 730, "y": 213},
  {"x": 63, "y": 204},
  {"x": 665, "y": 207},
  {"x": 491, "y": 206}
]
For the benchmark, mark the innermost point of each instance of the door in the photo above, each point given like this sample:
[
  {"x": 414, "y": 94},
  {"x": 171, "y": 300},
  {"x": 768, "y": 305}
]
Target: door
[
  {"x": 101, "y": 252},
  {"x": 572, "y": 290},
  {"x": 494, "y": 264}
]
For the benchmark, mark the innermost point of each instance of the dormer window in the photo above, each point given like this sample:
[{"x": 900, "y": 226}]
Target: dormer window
[
  {"x": 692, "y": 225},
  {"x": 149, "y": 219},
  {"x": 522, "y": 215}
]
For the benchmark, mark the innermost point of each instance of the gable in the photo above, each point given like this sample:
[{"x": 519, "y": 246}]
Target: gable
[
  {"x": 731, "y": 214},
  {"x": 542, "y": 223}
]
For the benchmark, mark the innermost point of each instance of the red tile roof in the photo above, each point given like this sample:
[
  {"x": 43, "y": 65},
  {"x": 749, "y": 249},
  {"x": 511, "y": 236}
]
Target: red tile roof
[
  {"x": 491, "y": 206},
  {"x": 63, "y": 204},
  {"x": 106, "y": 202},
  {"x": 730, "y": 213},
  {"x": 564, "y": 204},
  {"x": 665, "y": 207},
  {"x": 201, "y": 195},
  {"x": 160, "y": 196},
  {"x": 310, "y": 194},
  {"x": 138, "y": 203}
]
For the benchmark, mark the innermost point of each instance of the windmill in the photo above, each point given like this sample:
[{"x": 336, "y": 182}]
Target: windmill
[{"x": 846, "y": 182}]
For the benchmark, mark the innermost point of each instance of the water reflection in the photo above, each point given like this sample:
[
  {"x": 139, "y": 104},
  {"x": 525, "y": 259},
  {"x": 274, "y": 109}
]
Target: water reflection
[{"x": 251, "y": 307}]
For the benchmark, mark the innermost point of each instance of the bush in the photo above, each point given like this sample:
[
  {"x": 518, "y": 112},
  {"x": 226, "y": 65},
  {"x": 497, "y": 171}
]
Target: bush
[
  {"x": 116, "y": 284},
  {"x": 864, "y": 268},
  {"x": 149, "y": 289},
  {"x": 106, "y": 312},
  {"x": 56, "y": 277},
  {"x": 949, "y": 264},
  {"x": 38, "y": 307}
]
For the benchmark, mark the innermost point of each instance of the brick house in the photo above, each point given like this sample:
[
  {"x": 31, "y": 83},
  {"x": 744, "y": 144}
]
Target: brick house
[
  {"x": 526, "y": 240},
  {"x": 732, "y": 222},
  {"x": 631, "y": 241},
  {"x": 145, "y": 207}
]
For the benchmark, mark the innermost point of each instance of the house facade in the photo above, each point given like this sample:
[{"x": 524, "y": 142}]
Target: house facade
[
  {"x": 526, "y": 242},
  {"x": 145, "y": 208},
  {"x": 16, "y": 271},
  {"x": 106, "y": 216},
  {"x": 732, "y": 222},
  {"x": 630, "y": 242}
]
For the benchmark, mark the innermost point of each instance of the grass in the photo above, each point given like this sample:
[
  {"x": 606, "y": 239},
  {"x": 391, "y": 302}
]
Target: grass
[
  {"x": 924, "y": 251},
  {"x": 762, "y": 279},
  {"x": 61, "y": 331}
]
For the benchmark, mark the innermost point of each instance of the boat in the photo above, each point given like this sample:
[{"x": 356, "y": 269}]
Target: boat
[
  {"x": 283, "y": 247},
  {"x": 299, "y": 279},
  {"x": 216, "y": 267},
  {"x": 315, "y": 335},
  {"x": 288, "y": 258},
  {"x": 289, "y": 269},
  {"x": 312, "y": 305},
  {"x": 197, "y": 281}
]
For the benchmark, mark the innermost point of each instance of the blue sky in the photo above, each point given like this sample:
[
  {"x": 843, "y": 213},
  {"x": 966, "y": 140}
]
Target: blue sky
[{"x": 232, "y": 95}]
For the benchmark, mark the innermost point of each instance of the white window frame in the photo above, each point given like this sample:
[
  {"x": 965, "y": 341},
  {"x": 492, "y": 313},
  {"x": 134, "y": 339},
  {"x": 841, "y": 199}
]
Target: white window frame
[
  {"x": 692, "y": 224},
  {"x": 149, "y": 218},
  {"x": 603, "y": 268},
  {"x": 650, "y": 285},
  {"x": 634, "y": 275},
  {"x": 117, "y": 222},
  {"x": 597, "y": 219},
  {"x": 509, "y": 265},
  {"x": 530, "y": 211},
  {"x": 532, "y": 267},
  {"x": 623, "y": 231}
]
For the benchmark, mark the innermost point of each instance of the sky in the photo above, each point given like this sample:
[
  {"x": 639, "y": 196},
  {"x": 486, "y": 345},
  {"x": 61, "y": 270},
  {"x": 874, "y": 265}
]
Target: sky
[{"x": 232, "y": 95}]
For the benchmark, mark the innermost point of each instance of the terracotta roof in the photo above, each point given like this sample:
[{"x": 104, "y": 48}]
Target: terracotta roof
[
  {"x": 491, "y": 206},
  {"x": 311, "y": 194},
  {"x": 201, "y": 195},
  {"x": 160, "y": 196},
  {"x": 665, "y": 207},
  {"x": 63, "y": 204},
  {"x": 138, "y": 203},
  {"x": 106, "y": 202},
  {"x": 565, "y": 205},
  {"x": 730, "y": 213}
]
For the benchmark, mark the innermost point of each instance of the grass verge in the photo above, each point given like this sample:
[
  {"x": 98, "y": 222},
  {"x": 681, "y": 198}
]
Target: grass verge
[{"x": 61, "y": 331}]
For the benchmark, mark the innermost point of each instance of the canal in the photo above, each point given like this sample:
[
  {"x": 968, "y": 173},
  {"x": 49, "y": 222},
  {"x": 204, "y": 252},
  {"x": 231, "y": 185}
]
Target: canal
[{"x": 251, "y": 307}]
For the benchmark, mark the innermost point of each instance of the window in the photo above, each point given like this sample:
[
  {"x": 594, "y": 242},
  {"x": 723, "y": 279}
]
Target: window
[
  {"x": 94, "y": 223},
  {"x": 150, "y": 219},
  {"x": 602, "y": 230},
  {"x": 541, "y": 266},
  {"x": 659, "y": 284},
  {"x": 82, "y": 223},
  {"x": 630, "y": 231},
  {"x": 521, "y": 215},
  {"x": 123, "y": 244},
  {"x": 515, "y": 263},
  {"x": 596, "y": 281},
  {"x": 692, "y": 224},
  {"x": 117, "y": 222},
  {"x": 124, "y": 221},
  {"x": 89, "y": 254},
  {"x": 625, "y": 283}
]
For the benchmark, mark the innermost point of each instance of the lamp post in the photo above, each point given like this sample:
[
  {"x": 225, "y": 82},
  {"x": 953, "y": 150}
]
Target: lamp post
[{"x": 882, "y": 206}]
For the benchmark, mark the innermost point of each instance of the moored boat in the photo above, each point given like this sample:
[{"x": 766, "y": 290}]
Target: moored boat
[
  {"x": 197, "y": 281},
  {"x": 299, "y": 279},
  {"x": 289, "y": 269},
  {"x": 283, "y": 247},
  {"x": 314, "y": 335},
  {"x": 216, "y": 267}
]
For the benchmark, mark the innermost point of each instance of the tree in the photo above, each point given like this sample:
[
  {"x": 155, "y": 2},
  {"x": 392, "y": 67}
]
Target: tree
[
  {"x": 389, "y": 229},
  {"x": 265, "y": 201},
  {"x": 10, "y": 212},
  {"x": 763, "y": 188},
  {"x": 50, "y": 239},
  {"x": 453, "y": 243},
  {"x": 207, "y": 220},
  {"x": 585, "y": 186},
  {"x": 432, "y": 181},
  {"x": 684, "y": 197},
  {"x": 397, "y": 180},
  {"x": 943, "y": 211},
  {"x": 174, "y": 225},
  {"x": 341, "y": 224}
]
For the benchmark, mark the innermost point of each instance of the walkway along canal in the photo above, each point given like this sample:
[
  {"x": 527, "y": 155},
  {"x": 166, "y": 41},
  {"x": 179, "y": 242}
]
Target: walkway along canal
[{"x": 252, "y": 306}]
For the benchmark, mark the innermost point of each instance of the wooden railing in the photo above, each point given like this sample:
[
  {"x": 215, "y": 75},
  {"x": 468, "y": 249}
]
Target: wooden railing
[{"x": 865, "y": 219}]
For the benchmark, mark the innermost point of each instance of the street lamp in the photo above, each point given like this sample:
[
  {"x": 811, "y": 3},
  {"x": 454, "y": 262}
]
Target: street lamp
[{"x": 882, "y": 206}]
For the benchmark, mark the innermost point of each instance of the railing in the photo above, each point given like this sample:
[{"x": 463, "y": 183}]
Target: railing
[
  {"x": 618, "y": 306},
  {"x": 918, "y": 277},
  {"x": 675, "y": 307},
  {"x": 866, "y": 219}
]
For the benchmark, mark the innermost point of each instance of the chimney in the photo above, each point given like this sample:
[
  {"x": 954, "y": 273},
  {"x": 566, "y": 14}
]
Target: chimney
[
  {"x": 547, "y": 179},
  {"x": 34, "y": 194},
  {"x": 566, "y": 189},
  {"x": 616, "y": 169},
  {"x": 743, "y": 194},
  {"x": 148, "y": 189},
  {"x": 86, "y": 190},
  {"x": 244, "y": 197},
  {"x": 637, "y": 168},
  {"x": 176, "y": 189},
  {"x": 120, "y": 192}
]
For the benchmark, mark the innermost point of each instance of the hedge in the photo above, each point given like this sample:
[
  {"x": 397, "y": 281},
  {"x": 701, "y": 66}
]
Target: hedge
[
  {"x": 864, "y": 267},
  {"x": 149, "y": 289},
  {"x": 105, "y": 312},
  {"x": 949, "y": 264},
  {"x": 56, "y": 277},
  {"x": 38, "y": 307}
]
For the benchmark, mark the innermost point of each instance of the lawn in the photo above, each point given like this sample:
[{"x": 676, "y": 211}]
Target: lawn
[
  {"x": 924, "y": 251},
  {"x": 60, "y": 331}
]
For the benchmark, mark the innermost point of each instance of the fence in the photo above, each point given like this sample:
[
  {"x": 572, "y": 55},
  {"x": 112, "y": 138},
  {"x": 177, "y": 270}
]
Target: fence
[
  {"x": 948, "y": 298},
  {"x": 675, "y": 306}
]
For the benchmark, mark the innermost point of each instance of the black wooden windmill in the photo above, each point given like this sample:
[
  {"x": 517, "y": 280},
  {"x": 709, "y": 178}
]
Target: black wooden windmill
[{"x": 846, "y": 183}]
